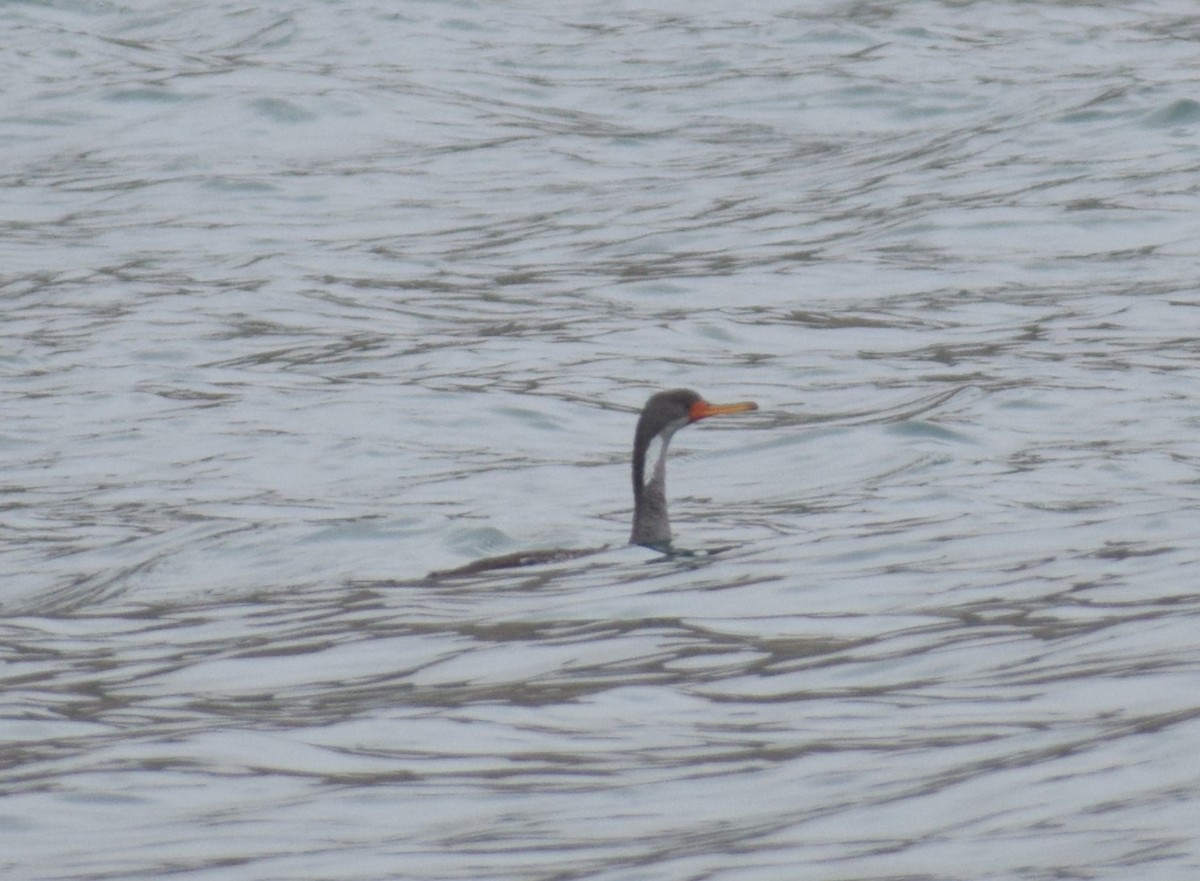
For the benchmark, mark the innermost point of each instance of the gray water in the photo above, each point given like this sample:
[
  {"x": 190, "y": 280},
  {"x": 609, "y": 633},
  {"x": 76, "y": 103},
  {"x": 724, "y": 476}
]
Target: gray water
[{"x": 301, "y": 302}]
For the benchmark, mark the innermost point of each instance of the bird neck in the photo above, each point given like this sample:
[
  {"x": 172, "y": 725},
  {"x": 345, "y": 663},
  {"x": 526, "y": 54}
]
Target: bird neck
[{"x": 651, "y": 523}]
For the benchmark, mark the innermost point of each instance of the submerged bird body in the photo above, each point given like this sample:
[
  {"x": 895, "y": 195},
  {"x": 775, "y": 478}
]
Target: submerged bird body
[{"x": 664, "y": 414}]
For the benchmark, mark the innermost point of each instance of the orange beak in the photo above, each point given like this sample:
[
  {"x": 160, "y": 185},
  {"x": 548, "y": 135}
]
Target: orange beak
[{"x": 703, "y": 409}]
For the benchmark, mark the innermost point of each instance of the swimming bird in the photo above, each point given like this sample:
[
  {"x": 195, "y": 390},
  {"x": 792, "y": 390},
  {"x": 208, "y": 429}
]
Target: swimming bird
[{"x": 663, "y": 415}]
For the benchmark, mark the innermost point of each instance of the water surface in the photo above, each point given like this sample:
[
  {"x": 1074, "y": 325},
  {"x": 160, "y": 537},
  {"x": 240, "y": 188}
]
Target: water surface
[{"x": 302, "y": 304}]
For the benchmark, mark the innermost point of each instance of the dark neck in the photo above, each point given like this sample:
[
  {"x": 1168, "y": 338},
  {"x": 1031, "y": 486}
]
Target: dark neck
[{"x": 651, "y": 523}]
